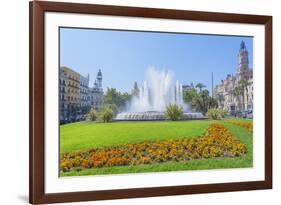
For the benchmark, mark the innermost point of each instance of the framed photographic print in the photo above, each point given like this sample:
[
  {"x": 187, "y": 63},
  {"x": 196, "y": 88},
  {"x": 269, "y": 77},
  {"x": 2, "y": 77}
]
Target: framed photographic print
[{"x": 138, "y": 102}]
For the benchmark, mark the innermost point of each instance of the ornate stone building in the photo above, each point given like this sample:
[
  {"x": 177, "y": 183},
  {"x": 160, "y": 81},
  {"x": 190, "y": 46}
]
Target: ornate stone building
[
  {"x": 235, "y": 93},
  {"x": 84, "y": 91},
  {"x": 96, "y": 93},
  {"x": 62, "y": 94},
  {"x": 75, "y": 96},
  {"x": 69, "y": 92},
  {"x": 186, "y": 88}
]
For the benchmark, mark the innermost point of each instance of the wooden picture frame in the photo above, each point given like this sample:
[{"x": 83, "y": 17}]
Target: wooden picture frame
[{"x": 37, "y": 11}]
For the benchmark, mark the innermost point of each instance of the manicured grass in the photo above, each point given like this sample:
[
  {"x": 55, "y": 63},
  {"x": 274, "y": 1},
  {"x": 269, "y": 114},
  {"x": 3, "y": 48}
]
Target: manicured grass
[
  {"x": 216, "y": 163},
  {"x": 83, "y": 136},
  {"x": 204, "y": 164}
]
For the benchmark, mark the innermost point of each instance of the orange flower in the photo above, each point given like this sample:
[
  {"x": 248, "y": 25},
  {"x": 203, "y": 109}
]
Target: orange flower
[
  {"x": 247, "y": 125},
  {"x": 217, "y": 142}
]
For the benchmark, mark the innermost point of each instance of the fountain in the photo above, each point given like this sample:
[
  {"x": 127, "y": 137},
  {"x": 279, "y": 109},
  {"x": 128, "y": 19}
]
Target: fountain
[{"x": 158, "y": 91}]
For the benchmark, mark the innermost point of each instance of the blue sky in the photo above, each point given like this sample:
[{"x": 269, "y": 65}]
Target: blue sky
[{"x": 124, "y": 56}]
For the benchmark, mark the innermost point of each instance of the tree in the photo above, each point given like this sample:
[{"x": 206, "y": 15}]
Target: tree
[
  {"x": 125, "y": 98},
  {"x": 213, "y": 103},
  {"x": 92, "y": 115},
  {"x": 243, "y": 84},
  {"x": 112, "y": 96},
  {"x": 239, "y": 90},
  {"x": 106, "y": 114},
  {"x": 189, "y": 95},
  {"x": 113, "y": 107},
  {"x": 202, "y": 102},
  {"x": 174, "y": 112},
  {"x": 200, "y": 86}
]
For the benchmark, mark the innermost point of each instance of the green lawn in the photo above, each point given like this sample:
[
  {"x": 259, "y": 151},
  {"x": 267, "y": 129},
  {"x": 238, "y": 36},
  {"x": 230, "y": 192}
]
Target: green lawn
[{"x": 81, "y": 136}]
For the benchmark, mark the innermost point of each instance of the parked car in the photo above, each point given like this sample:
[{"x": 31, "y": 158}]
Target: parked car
[
  {"x": 80, "y": 117},
  {"x": 233, "y": 112},
  {"x": 242, "y": 114},
  {"x": 239, "y": 114},
  {"x": 249, "y": 114}
]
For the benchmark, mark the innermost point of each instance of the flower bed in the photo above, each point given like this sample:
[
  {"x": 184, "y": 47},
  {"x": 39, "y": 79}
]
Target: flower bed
[
  {"x": 217, "y": 142},
  {"x": 247, "y": 125}
]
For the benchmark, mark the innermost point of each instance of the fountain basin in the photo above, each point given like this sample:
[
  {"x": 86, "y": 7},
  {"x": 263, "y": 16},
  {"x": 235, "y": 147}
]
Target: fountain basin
[{"x": 154, "y": 116}]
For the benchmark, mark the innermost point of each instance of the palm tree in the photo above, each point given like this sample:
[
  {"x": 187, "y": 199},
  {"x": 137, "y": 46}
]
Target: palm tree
[
  {"x": 201, "y": 101},
  {"x": 239, "y": 90},
  {"x": 200, "y": 86},
  {"x": 243, "y": 83}
]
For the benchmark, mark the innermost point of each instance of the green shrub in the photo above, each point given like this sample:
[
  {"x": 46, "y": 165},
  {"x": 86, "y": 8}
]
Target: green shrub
[
  {"x": 106, "y": 114},
  {"x": 223, "y": 113},
  {"x": 216, "y": 113},
  {"x": 92, "y": 115},
  {"x": 174, "y": 112},
  {"x": 113, "y": 107}
]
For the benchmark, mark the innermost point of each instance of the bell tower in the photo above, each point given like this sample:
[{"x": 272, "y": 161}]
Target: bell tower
[
  {"x": 99, "y": 80},
  {"x": 243, "y": 59}
]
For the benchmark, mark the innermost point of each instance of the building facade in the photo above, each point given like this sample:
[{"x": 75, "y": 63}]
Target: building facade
[
  {"x": 235, "y": 92},
  {"x": 186, "y": 88},
  {"x": 70, "y": 92},
  {"x": 84, "y": 91},
  {"x": 75, "y": 96},
  {"x": 62, "y": 94}
]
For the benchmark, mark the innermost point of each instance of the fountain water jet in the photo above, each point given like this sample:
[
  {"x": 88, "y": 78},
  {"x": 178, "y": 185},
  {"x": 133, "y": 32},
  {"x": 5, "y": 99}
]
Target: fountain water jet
[{"x": 157, "y": 92}]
